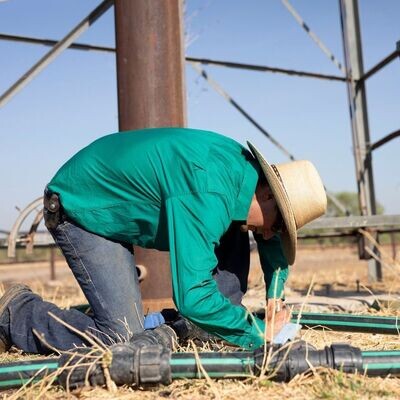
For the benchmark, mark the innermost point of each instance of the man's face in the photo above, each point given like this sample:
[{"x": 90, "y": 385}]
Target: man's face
[{"x": 272, "y": 220}]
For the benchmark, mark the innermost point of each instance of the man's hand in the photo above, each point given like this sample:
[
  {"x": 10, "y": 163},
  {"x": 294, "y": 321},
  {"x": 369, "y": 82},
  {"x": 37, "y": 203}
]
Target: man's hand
[{"x": 277, "y": 315}]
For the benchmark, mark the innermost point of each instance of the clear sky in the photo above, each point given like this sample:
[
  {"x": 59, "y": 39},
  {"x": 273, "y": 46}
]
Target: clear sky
[{"x": 73, "y": 101}]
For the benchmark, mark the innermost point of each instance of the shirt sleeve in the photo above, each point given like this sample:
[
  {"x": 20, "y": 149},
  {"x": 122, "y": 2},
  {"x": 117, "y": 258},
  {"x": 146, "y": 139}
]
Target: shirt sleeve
[
  {"x": 195, "y": 224},
  {"x": 273, "y": 264}
]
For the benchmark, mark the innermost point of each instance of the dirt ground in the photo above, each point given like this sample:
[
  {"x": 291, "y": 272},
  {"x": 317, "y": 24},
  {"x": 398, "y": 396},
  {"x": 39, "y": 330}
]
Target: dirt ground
[
  {"x": 336, "y": 272},
  {"x": 333, "y": 272},
  {"x": 335, "y": 266}
]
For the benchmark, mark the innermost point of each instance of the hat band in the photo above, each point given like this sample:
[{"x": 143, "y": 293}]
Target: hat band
[
  {"x": 278, "y": 174},
  {"x": 283, "y": 185}
]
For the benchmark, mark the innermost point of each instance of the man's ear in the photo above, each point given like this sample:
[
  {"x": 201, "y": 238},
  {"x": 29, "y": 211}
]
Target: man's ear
[{"x": 263, "y": 193}]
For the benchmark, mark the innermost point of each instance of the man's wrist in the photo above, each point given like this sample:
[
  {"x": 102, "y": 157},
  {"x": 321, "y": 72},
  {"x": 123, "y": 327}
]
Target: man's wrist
[{"x": 275, "y": 305}]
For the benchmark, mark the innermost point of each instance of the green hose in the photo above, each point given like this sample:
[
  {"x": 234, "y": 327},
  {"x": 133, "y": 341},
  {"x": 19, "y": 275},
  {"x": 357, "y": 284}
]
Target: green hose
[
  {"x": 350, "y": 322},
  {"x": 16, "y": 374},
  {"x": 377, "y": 363},
  {"x": 217, "y": 365}
]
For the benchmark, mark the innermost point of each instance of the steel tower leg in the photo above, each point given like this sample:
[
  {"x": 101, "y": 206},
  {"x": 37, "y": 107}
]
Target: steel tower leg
[{"x": 359, "y": 123}]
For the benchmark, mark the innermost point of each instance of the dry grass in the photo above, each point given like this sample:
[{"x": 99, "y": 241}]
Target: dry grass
[
  {"x": 323, "y": 385},
  {"x": 340, "y": 268}
]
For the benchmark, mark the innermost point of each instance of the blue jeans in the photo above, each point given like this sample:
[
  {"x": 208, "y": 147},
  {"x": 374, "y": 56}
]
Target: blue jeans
[{"x": 106, "y": 273}]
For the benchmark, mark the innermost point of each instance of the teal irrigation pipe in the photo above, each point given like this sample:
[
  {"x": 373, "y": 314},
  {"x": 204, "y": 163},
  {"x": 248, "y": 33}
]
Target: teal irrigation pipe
[
  {"x": 16, "y": 374},
  {"x": 217, "y": 365},
  {"x": 377, "y": 363},
  {"x": 350, "y": 322},
  {"x": 153, "y": 364}
]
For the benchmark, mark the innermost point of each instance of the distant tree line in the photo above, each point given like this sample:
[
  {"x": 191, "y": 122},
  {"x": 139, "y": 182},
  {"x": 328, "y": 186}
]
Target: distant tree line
[{"x": 351, "y": 202}]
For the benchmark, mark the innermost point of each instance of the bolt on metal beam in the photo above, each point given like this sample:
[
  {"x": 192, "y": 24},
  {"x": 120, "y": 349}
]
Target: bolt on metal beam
[
  {"x": 55, "y": 51},
  {"x": 312, "y": 35}
]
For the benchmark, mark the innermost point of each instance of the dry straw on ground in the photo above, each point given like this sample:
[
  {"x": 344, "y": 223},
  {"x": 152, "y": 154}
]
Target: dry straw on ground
[{"x": 339, "y": 268}]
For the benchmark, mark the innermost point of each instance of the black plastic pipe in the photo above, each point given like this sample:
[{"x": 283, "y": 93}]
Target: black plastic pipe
[{"x": 154, "y": 364}]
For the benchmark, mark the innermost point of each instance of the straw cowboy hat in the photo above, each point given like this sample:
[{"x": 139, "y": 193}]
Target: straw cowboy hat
[{"x": 299, "y": 194}]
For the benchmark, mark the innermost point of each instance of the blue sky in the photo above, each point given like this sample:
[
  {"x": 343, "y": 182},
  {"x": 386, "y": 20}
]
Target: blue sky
[{"x": 73, "y": 101}]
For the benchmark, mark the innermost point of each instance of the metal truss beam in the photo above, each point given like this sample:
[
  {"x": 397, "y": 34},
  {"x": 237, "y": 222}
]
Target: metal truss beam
[
  {"x": 264, "y": 68},
  {"x": 208, "y": 61},
  {"x": 359, "y": 122},
  {"x": 384, "y": 140},
  {"x": 388, "y": 59},
  {"x": 242, "y": 111},
  {"x": 312, "y": 35},
  {"x": 55, "y": 51},
  {"x": 218, "y": 88},
  {"x": 52, "y": 42},
  {"x": 354, "y": 222}
]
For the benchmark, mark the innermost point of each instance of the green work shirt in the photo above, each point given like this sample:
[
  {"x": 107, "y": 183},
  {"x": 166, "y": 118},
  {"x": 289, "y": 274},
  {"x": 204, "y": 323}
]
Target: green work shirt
[{"x": 177, "y": 190}]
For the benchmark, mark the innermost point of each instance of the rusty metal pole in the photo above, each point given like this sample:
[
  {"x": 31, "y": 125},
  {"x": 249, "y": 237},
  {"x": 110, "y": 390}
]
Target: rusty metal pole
[{"x": 151, "y": 93}]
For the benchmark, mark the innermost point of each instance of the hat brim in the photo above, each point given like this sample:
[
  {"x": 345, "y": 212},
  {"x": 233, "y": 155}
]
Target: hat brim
[{"x": 289, "y": 234}]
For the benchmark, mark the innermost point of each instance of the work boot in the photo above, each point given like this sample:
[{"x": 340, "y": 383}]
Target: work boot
[{"x": 9, "y": 295}]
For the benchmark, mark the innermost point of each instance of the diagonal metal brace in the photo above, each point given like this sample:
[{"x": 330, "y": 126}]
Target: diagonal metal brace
[
  {"x": 312, "y": 35},
  {"x": 55, "y": 51}
]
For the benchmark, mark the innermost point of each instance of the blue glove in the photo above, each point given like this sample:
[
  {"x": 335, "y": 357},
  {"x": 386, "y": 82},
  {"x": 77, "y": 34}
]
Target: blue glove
[{"x": 153, "y": 320}]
